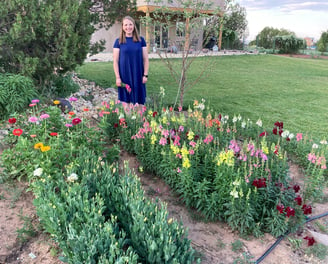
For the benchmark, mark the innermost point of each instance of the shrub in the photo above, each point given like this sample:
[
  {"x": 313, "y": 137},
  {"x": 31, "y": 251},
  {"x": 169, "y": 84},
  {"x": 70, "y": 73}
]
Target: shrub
[{"x": 16, "y": 91}]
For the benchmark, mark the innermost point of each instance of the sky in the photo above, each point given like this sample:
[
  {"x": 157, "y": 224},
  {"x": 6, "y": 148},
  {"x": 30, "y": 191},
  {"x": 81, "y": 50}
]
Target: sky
[{"x": 304, "y": 18}]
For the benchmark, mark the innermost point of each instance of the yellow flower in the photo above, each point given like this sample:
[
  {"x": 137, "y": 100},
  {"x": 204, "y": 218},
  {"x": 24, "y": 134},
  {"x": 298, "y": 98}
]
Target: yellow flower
[
  {"x": 56, "y": 102},
  {"x": 45, "y": 148},
  {"x": 226, "y": 157},
  {"x": 175, "y": 149},
  {"x": 184, "y": 151},
  {"x": 38, "y": 145},
  {"x": 170, "y": 221},
  {"x": 153, "y": 139},
  {"x": 191, "y": 135},
  {"x": 186, "y": 163}
]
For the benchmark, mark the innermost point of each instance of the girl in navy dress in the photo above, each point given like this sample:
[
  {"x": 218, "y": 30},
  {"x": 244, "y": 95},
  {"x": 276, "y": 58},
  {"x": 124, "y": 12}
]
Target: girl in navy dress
[{"x": 131, "y": 64}]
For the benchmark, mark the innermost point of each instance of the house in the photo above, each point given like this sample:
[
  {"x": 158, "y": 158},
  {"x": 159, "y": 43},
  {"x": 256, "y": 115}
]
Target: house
[{"x": 157, "y": 36}]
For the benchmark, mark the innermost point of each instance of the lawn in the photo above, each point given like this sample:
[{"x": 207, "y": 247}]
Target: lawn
[{"x": 272, "y": 88}]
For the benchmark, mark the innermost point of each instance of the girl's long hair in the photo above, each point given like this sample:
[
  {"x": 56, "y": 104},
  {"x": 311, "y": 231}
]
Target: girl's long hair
[{"x": 135, "y": 33}]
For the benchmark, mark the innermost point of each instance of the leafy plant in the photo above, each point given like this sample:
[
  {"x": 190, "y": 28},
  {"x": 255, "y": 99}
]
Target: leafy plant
[
  {"x": 16, "y": 91},
  {"x": 237, "y": 245},
  {"x": 27, "y": 231}
]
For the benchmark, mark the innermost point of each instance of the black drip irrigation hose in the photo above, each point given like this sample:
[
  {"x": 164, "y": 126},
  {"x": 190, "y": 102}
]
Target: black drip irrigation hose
[{"x": 266, "y": 253}]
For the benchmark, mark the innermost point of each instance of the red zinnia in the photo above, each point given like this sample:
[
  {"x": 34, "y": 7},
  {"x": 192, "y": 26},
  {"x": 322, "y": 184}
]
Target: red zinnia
[
  {"x": 12, "y": 120},
  {"x": 76, "y": 121},
  {"x": 17, "y": 132},
  {"x": 53, "y": 134}
]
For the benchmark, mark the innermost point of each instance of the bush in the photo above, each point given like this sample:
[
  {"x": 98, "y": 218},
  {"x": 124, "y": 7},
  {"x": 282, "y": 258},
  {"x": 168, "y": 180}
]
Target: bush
[{"x": 16, "y": 91}]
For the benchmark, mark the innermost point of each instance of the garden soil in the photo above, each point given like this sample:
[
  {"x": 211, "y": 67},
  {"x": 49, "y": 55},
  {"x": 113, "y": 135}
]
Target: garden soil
[{"x": 22, "y": 240}]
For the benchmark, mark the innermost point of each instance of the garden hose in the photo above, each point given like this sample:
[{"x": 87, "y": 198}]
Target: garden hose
[{"x": 283, "y": 236}]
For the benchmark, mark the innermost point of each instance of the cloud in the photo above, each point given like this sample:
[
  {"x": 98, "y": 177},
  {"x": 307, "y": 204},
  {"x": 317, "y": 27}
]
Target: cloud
[{"x": 285, "y": 6}]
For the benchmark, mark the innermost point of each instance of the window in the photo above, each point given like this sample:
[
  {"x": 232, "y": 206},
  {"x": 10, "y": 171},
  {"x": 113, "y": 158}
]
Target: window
[{"x": 180, "y": 29}]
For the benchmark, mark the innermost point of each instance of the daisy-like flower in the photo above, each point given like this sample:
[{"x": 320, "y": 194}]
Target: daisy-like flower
[
  {"x": 17, "y": 132},
  {"x": 38, "y": 145},
  {"x": 76, "y": 121},
  {"x": 44, "y": 116},
  {"x": 33, "y": 119},
  {"x": 45, "y": 148},
  {"x": 72, "y": 99},
  {"x": 12, "y": 120}
]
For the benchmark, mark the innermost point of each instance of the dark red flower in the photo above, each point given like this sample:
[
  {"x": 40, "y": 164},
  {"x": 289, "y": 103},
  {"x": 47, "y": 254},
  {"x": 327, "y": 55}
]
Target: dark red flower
[
  {"x": 17, "y": 132},
  {"x": 275, "y": 131},
  {"x": 259, "y": 183},
  {"x": 307, "y": 209},
  {"x": 280, "y": 208},
  {"x": 122, "y": 121},
  {"x": 53, "y": 134},
  {"x": 220, "y": 117},
  {"x": 76, "y": 121},
  {"x": 298, "y": 200},
  {"x": 280, "y": 132},
  {"x": 279, "y": 124},
  {"x": 310, "y": 240},
  {"x": 154, "y": 114},
  {"x": 12, "y": 120},
  {"x": 296, "y": 188},
  {"x": 264, "y": 133},
  {"x": 115, "y": 125},
  {"x": 287, "y": 139},
  {"x": 196, "y": 137},
  {"x": 290, "y": 211}
]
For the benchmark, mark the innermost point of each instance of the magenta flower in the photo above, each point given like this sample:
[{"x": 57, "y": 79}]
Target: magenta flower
[
  {"x": 35, "y": 101},
  {"x": 44, "y": 116},
  {"x": 72, "y": 99},
  {"x": 33, "y": 119},
  {"x": 68, "y": 125},
  {"x": 76, "y": 121}
]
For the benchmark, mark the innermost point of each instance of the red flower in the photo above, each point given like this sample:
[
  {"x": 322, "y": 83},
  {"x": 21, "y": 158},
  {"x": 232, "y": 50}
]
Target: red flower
[
  {"x": 17, "y": 132},
  {"x": 310, "y": 240},
  {"x": 275, "y": 131},
  {"x": 298, "y": 200},
  {"x": 280, "y": 132},
  {"x": 171, "y": 109},
  {"x": 76, "y": 121},
  {"x": 290, "y": 211},
  {"x": 259, "y": 183},
  {"x": 115, "y": 125},
  {"x": 279, "y": 124},
  {"x": 220, "y": 117},
  {"x": 154, "y": 114},
  {"x": 307, "y": 209},
  {"x": 264, "y": 133},
  {"x": 287, "y": 139},
  {"x": 296, "y": 188},
  {"x": 12, "y": 120},
  {"x": 53, "y": 134},
  {"x": 280, "y": 208}
]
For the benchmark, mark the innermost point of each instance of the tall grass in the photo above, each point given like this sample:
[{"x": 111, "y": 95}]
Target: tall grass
[{"x": 267, "y": 87}]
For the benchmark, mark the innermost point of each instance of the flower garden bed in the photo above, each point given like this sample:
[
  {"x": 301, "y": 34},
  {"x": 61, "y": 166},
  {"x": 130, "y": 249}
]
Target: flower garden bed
[{"x": 222, "y": 167}]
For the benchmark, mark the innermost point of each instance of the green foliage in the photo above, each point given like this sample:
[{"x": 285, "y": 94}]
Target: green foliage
[
  {"x": 40, "y": 37},
  {"x": 27, "y": 231},
  {"x": 322, "y": 44},
  {"x": 266, "y": 37},
  {"x": 60, "y": 86},
  {"x": 16, "y": 91},
  {"x": 289, "y": 44},
  {"x": 237, "y": 245},
  {"x": 318, "y": 250}
]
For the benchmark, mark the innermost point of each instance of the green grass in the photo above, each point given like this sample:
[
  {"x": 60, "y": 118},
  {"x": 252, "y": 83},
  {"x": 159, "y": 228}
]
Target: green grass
[{"x": 272, "y": 88}]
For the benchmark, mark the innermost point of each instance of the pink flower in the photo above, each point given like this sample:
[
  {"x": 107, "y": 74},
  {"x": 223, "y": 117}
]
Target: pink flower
[
  {"x": 191, "y": 152},
  {"x": 180, "y": 108},
  {"x": 192, "y": 143},
  {"x": 299, "y": 136},
  {"x": 44, "y": 116},
  {"x": 31, "y": 105},
  {"x": 72, "y": 99},
  {"x": 35, "y": 101},
  {"x": 68, "y": 125},
  {"x": 128, "y": 88},
  {"x": 178, "y": 170},
  {"x": 163, "y": 141},
  {"x": 312, "y": 158},
  {"x": 33, "y": 119}
]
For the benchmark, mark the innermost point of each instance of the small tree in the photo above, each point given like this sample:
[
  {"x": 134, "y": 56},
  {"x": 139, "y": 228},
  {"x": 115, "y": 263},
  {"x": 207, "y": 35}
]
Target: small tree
[
  {"x": 266, "y": 37},
  {"x": 289, "y": 44},
  {"x": 322, "y": 44},
  {"x": 191, "y": 20}
]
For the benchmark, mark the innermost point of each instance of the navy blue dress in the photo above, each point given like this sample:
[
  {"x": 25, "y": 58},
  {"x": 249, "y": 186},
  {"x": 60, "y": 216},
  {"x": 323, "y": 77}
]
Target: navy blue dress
[{"x": 131, "y": 70}]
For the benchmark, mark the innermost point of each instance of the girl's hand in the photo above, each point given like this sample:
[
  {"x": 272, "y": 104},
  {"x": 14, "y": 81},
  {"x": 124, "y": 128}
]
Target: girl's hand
[
  {"x": 144, "y": 79},
  {"x": 118, "y": 82}
]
